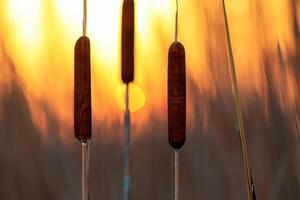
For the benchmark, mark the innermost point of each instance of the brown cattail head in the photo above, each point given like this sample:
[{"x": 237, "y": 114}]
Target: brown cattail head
[
  {"x": 176, "y": 95},
  {"x": 128, "y": 41},
  {"x": 82, "y": 90}
]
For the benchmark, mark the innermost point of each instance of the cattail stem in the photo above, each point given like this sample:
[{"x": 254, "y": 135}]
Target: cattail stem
[
  {"x": 84, "y": 23},
  {"x": 176, "y": 182},
  {"x": 85, "y": 170},
  {"x": 127, "y": 177},
  {"x": 238, "y": 107},
  {"x": 176, "y": 22}
]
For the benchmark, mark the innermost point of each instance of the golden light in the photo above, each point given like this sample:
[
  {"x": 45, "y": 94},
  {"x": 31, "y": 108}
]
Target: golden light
[
  {"x": 238, "y": 7},
  {"x": 39, "y": 37},
  {"x": 136, "y": 103}
]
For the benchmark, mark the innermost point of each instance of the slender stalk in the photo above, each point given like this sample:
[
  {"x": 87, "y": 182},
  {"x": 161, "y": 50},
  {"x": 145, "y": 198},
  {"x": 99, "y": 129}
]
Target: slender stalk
[
  {"x": 176, "y": 22},
  {"x": 85, "y": 170},
  {"x": 127, "y": 177},
  {"x": 85, "y": 147},
  {"x": 176, "y": 158},
  {"x": 238, "y": 108},
  {"x": 176, "y": 164},
  {"x": 84, "y": 23}
]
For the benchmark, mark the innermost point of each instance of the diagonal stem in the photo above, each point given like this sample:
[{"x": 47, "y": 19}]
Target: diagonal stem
[{"x": 238, "y": 108}]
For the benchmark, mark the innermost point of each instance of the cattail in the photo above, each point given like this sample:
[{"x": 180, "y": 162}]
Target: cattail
[
  {"x": 128, "y": 41},
  {"x": 82, "y": 90},
  {"x": 82, "y": 101},
  {"x": 176, "y": 100},
  {"x": 127, "y": 77},
  {"x": 176, "y": 95}
]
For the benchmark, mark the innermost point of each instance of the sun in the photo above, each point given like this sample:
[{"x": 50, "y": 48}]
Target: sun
[{"x": 137, "y": 98}]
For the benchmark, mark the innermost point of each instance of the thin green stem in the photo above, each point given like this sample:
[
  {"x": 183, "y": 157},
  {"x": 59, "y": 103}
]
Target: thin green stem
[{"x": 238, "y": 108}]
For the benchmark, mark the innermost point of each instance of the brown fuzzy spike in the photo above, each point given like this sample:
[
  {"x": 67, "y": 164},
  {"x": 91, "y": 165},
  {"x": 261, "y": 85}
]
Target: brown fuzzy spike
[
  {"x": 82, "y": 90},
  {"x": 128, "y": 41},
  {"x": 176, "y": 95}
]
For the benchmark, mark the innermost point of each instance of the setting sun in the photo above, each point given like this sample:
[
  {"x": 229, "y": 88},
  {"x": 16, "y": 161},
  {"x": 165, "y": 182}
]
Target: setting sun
[
  {"x": 136, "y": 103},
  {"x": 40, "y": 36},
  {"x": 135, "y": 84}
]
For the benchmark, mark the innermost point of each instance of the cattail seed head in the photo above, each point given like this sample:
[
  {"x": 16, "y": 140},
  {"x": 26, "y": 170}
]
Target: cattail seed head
[
  {"x": 176, "y": 95},
  {"x": 128, "y": 41},
  {"x": 82, "y": 90}
]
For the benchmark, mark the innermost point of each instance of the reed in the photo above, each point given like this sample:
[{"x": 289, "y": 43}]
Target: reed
[
  {"x": 176, "y": 100},
  {"x": 127, "y": 53},
  {"x": 82, "y": 100},
  {"x": 247, "y": 172}
]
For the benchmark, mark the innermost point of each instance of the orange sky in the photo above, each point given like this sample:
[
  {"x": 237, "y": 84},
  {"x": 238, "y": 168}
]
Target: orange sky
[{"x": 39, "y": 36}]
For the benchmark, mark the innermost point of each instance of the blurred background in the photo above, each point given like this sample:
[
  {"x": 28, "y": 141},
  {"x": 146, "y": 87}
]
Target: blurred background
[{"x": 39, "y": 155}]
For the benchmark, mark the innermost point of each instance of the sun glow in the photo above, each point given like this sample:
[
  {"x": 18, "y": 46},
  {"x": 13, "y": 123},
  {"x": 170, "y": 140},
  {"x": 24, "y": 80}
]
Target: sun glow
[
  {"x": 135, "y": 103},
  {"x": 39, "y": 36}
]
